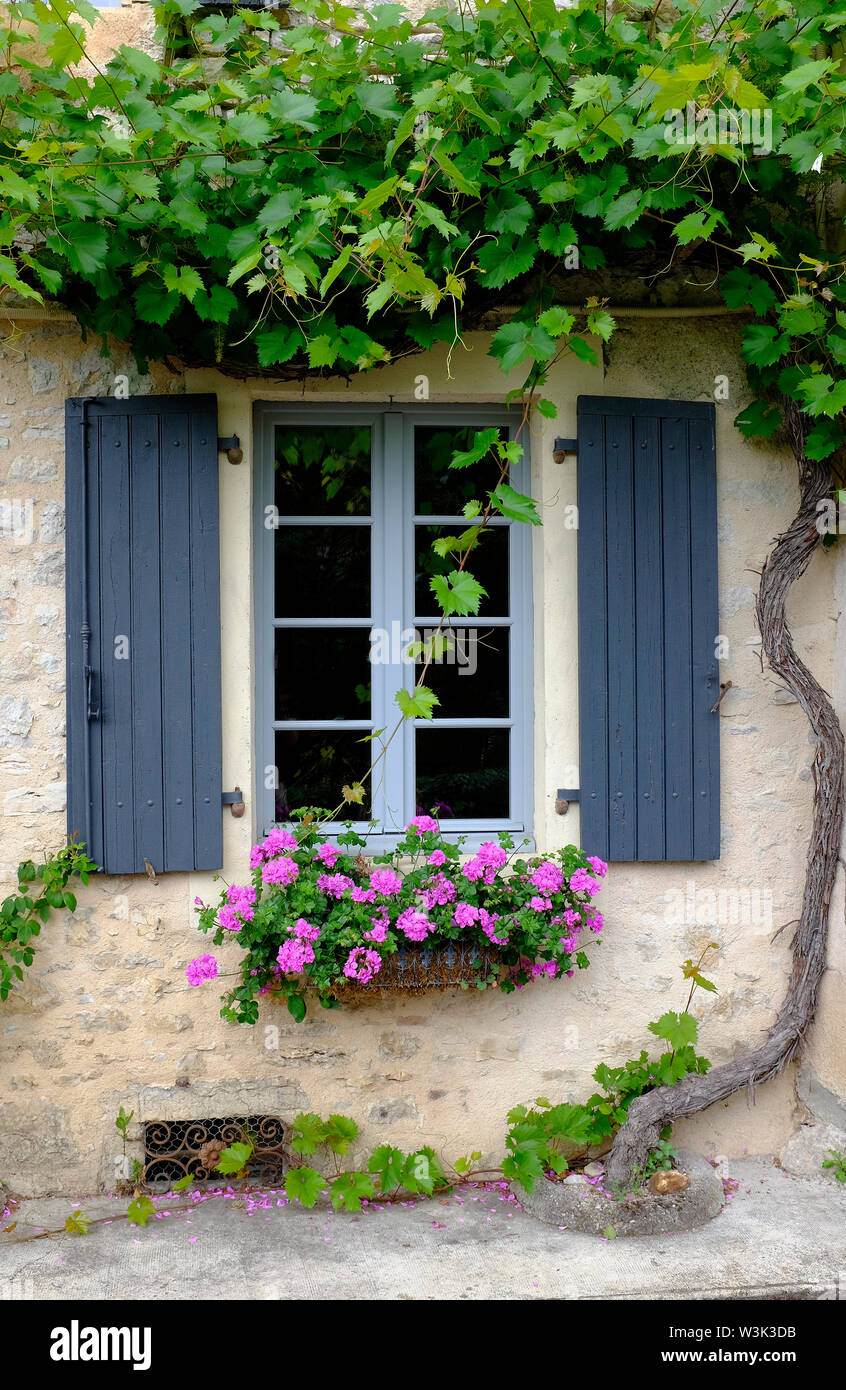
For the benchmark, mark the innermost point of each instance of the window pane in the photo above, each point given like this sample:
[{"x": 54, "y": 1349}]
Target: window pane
[
  {"x": 487, "y": 562},
  {"x": 323, "y": 673},
  {"x": 444, "y": 490},
  {"x": 313, "y": 767},
  {"x": 322, "y": 470},
  {"x": 471, "y": 678},
  {"x": 322, "y": 572},
  {"x": 462, "y": 773}
]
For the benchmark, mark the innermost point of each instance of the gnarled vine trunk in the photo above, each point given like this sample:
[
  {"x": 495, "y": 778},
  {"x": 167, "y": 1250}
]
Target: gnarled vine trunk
[{"x": 788, "y": 561}]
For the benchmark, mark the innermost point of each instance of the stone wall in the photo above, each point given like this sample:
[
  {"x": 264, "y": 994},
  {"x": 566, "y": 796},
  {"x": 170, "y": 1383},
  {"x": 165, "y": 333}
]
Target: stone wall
[{"x": 106, "y": 1018}]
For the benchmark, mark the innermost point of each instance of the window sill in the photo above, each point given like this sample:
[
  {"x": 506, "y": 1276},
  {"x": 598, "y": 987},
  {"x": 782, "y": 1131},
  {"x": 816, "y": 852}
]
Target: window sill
[{"x": 381, "y": 842}]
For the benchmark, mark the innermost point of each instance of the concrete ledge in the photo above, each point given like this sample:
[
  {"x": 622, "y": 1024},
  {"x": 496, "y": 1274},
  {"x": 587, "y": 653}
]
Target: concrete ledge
[{"x": 779, "y": 1238}]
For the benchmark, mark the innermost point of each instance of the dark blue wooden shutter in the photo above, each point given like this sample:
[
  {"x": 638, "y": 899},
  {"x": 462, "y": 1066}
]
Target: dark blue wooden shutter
[
  {"x": 144, "y": 729},
  {"x": 648, "y": 675}
]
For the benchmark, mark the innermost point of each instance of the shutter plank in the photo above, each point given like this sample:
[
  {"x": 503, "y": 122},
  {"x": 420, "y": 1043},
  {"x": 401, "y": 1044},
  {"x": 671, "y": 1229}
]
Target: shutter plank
[
  {"x": 622, "y": 703},
  {"x": 177, "y": 705},
  {"x": 205, "y": 638},
  {"x": 649, "y": 570},
  {"x": 593, "y": 625},
  {"x": 705, "y": 609},
  {"x": 145, "y": 639},
  {"x": 678, "y": 676},
  {"x": 116, "y": 618},
  {"x": 79, "y": 815}
]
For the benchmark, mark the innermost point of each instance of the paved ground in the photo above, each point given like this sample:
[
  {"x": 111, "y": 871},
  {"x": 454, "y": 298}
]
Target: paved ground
[{"x": 778, "y": 1236}]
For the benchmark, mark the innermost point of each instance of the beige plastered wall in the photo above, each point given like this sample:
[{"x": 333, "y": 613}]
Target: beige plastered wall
[{"x": 106, "y": 1017}]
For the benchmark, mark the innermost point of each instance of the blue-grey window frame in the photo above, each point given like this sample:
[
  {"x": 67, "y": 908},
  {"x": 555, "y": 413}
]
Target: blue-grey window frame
[{"x": 392, "y": 430}]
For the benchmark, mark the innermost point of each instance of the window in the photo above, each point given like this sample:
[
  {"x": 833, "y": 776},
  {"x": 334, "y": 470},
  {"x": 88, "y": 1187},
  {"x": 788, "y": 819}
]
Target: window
[{"x": 348, "y": 502}]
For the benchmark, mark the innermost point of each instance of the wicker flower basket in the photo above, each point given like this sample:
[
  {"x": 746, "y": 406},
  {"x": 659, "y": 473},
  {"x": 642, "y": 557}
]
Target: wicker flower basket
[{"x": 413, "y": 968}]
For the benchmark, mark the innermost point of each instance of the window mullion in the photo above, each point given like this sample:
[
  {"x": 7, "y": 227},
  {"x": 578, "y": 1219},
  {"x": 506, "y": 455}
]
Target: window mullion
[{"x": 392, "y": 554}]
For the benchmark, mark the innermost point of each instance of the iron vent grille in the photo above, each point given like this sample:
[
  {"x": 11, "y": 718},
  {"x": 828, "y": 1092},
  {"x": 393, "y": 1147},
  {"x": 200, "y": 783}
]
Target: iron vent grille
[{"x": 175, "y": 1148}]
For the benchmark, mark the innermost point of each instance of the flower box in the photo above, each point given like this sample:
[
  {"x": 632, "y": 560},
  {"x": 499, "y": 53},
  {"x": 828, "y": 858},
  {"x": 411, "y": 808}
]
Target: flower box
[{"x": 322, "y": 917}]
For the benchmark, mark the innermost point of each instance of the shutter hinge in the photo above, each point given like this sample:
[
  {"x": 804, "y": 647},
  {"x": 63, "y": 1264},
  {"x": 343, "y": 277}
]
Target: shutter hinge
[
  {"x": 231, "y": 447},
  {"x": 564, "y": 797},
  {"x": 234, "y": 800},
  {"x": 564, "y": 446}
]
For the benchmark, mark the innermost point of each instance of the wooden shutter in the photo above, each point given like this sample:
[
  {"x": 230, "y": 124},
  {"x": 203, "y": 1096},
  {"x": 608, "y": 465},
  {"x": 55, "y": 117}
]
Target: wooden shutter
[
  {"x": 648, "y": 675},
  {"x": 143, "y": 689}
]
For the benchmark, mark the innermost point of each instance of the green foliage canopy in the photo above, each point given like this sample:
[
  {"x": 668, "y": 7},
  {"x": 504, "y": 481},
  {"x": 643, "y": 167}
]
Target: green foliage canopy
[{"x": 329, "y": 195}]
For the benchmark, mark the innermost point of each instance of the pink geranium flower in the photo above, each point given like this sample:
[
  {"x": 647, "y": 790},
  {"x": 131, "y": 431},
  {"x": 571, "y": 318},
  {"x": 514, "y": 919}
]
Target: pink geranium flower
[
  {"x": 283, "y": 870},
  {"x": 421, "y": 824},
  {"x": 386, "y": 881},
  {"x": 415, "y": 925},
  {"x": 203, "y": 968},
  {"x": 362, "y": 964}
]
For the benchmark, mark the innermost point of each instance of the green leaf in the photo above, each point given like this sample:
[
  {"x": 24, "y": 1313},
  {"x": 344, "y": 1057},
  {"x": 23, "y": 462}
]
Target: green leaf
[
  {"x": 457, "y": 592},
  {"x": 582, "y": 350},
  {"x": 234, "y": 1159},
  {"x": 699, "y": 224},
  {"x": 601, "y": 323},
  {"x": 85, "y": 244},
  {"x": 823, "y": 439},
  {"x": 278, "y": 344},
  {"x": 340, "y": 1132},
  {"x": 14, "y": 188},
  {"x": 245, "y": 263},
  {"x": 422, "y": 1171},
  {"x": 758, "y": 249},
  {"x": 515, "y": 505},
  {"x": 77, "y": 1224},
  {"x": 515, "y": 341},
  {"x": 216, "y": 306},
  {"x": 454, "y": 174},
  {"x": 556, "y": 321},
  {"x": 309, "y": 1132},
  {"x": 185, "y": 281},
  {"x": 806, "y": 74},
  {"x": 323, "y": 351},
  {"x": 296, "y": 1007},
  {"x": 762, "y": 344},
  {"x": 417, "y": 705},
  {"x": 123, "y": 1120},
  {"x": 822, "y": 395},
  {"x": 759, "y": 418},
  {"x": 294, "y": 108},
  {"x": 740, "y": 287},
  {"x": 483, "y": 441},
  {"x": 183, "y": 1183},
  {"x": 388, "y": 1163},
  {"x": 140, "y": 1210},
  {"x": 677, "y": 1029},
  {"x": 348, "y": 1190},
  {"x": 153, "y": 305},
  {"x": 304, "y": 1185}
]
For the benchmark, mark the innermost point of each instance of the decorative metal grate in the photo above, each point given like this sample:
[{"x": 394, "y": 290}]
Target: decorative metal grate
[
  {"x": 415, "y": 967},
  {"x": 175, "y": 1148}
]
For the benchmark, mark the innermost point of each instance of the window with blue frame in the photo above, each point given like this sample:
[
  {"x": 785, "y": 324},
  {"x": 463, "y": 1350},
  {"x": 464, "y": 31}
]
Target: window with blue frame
[{"x": 348, "y": 503}]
